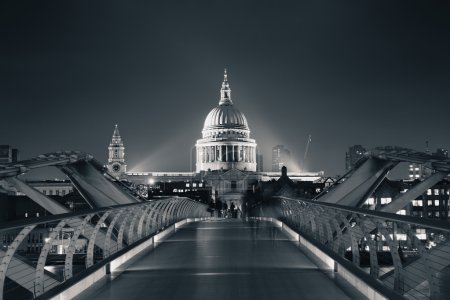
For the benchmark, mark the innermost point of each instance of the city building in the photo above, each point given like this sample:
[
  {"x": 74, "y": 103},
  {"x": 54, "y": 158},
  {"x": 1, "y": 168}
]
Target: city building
[
  {"x": 52, "y": 187},
  {"x": 433, "y": 204},
  {"x": 421, "y": 171},
  {"x": 116, "y": 159},
  {"x": 354, "y": 154},
  {"x": 259, "y": 160},
  {"x": 8, "y": 154},
  {"x": 281, "y": 156}
]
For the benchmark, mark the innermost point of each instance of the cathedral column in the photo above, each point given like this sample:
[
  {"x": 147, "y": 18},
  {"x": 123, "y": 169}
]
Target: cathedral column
[
  {"x": 204, "y": 154},
  {"x": 244, "y": 151},
  {"x": 232, "y": 151},
  {"x": 247, "y": 153},
  {"x": 226, "y": 154},
  {"x": 209, "y": 154},
  {"x": 216, "y": 151},
  {"x": 241, "y": 153}
]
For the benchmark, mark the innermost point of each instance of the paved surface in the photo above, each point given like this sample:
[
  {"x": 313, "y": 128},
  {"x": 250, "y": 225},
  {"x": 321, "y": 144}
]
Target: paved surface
[{"x": 228, "y": 259}]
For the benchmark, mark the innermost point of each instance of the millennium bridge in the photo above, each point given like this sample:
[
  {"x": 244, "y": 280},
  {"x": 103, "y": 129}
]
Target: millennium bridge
[{"x": 328, "y": 247}]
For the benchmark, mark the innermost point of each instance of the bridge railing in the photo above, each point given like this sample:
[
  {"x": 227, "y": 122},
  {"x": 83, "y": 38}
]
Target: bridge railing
[
  {"x": 408, "y": 255},
  {"x": 41, "y": 254}
]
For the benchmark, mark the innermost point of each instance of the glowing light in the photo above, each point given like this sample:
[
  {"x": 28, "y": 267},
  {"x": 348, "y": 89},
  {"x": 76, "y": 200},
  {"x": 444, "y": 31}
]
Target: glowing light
[{"x": 151, "y": 181}]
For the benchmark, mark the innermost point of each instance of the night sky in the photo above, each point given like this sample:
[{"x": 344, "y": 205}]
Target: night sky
[{"x": 348, "y": 72}]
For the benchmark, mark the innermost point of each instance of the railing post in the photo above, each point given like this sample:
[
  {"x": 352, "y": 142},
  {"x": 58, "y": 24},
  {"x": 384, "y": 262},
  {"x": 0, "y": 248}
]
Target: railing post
[
  {"x": 12, "y": 248},
  {"x": 68, "y": 263},
  {"x": 107, "y": 248},
  {"x": 39, "y": 276},
  {"x": 90, "y": 249}
]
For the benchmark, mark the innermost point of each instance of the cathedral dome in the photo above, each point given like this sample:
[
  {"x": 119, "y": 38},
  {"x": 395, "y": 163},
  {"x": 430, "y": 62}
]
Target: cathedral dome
[
  {"x": 225, "y": 119},
  {"x": 225, "y": 116}
]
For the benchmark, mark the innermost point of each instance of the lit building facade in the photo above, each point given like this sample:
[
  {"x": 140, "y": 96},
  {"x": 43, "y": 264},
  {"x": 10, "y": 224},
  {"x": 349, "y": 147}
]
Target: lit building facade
[
  {"x": 281, "y": 157},
  {"x": 421, "y": 171},
  {"x": 225, "y": 142},
  {"x": 8, "y": 154}
]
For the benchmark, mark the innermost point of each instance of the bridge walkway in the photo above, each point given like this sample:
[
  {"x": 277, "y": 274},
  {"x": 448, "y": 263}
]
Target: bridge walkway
[{"x": 224, "y": 259}]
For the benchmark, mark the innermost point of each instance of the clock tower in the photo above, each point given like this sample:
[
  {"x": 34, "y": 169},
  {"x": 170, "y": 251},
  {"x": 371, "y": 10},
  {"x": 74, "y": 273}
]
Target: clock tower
[{"x": 116, "y": 160}]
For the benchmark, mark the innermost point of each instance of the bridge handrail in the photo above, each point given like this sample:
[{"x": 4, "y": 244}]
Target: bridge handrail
[
  {"x": 98, "y": 235},
  {"x": 424, "y": 222},
  {"x": 409, "y": 255},
  {"x": 7, "y": 226}
]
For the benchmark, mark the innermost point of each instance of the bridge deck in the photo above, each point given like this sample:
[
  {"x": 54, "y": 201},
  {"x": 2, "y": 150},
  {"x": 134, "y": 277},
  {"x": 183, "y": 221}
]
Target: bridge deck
[{"x": 227, "y": 259}]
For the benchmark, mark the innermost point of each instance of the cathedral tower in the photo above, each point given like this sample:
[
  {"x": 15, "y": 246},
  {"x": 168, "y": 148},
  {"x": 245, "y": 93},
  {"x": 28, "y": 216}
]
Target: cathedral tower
[{"x": 116, "y": 159}]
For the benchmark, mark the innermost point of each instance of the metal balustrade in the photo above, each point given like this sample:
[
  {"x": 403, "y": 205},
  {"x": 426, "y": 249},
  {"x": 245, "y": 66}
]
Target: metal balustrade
[
  {"x": 410, "y": 256},
  {"x": 43, "y": 253}
]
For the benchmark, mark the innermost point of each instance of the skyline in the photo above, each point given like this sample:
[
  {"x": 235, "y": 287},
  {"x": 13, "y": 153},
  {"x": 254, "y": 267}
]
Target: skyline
[{"x": 373, "y": 74}]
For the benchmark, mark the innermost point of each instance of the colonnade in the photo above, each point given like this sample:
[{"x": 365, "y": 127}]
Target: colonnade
[{"x": 226, "y": 153}]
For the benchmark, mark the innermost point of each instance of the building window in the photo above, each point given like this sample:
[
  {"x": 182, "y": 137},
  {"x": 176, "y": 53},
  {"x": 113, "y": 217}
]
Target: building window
[
  {"x": 429, "y": 192},
  {"x": 421, "y": 234},
  {"x": 233, "y": 185},
  {"x": 436, "y": 191},
  {"x": 57, "y": 192},
  {"x": 417, "y": 203},
  {"x": 369, "y": 201},
  {"x": 430, "y": 202},
  {"x": 436, "y": 202},
  {"x": 385, "y": 200}
]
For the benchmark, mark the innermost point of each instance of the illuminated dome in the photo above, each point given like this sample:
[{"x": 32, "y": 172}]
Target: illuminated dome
[
  {"x": 226, "y": 142},
  {"x": 225, "y": 119},
  {"x": 225, "y": 116}
]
